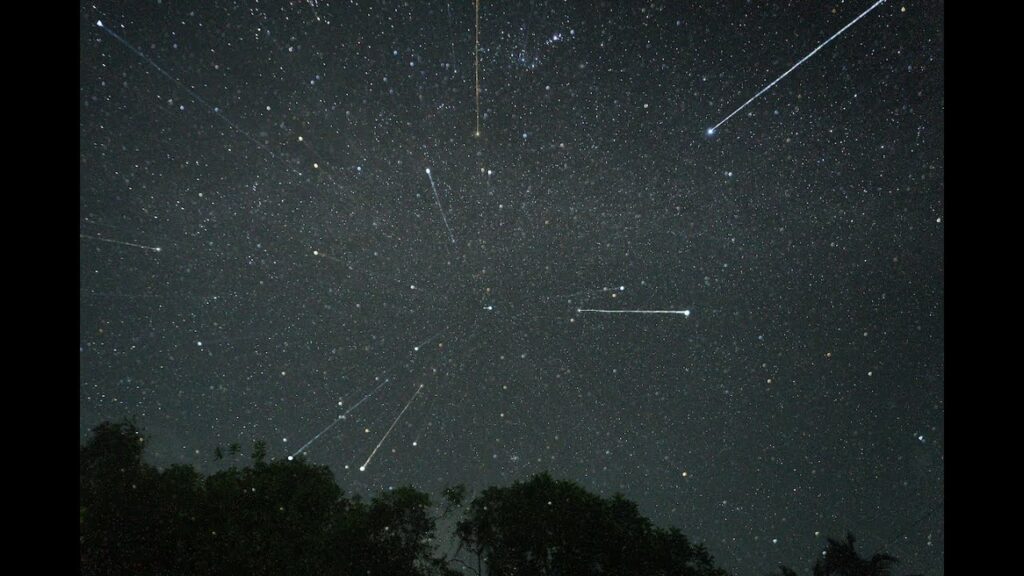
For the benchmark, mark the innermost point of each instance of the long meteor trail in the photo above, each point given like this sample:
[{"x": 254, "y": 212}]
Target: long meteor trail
[
  {"x": 215, "y": 110},
  {"x": 712, "y": 130},
  {"x": 685, "y": 313},
  {"x": 385, "y": 437},
  {"x": 438, "y": 200},
  {"x": 121, "y": 242},
  {"x": 338, "y": 419},
  {"x": 476, "y": 54}
]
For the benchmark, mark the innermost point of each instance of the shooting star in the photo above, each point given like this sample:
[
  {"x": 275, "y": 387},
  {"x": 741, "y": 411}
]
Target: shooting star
[
  {"x": 122, "y": 243},
  {"x": 711, "y": 131},
  {"x": 214, "y": 109},
  {"x": 417, "y": 347},
  {"x": 438, "y": 200},
  {"x": 320, "y": 254},
  {"x": 685, "y": 313},
  {"x": 588, "y": 293},
  {"x": 476, "y": 54},
  {"x": 336, "y": 420},
  {"x": 385, "y": 437}
]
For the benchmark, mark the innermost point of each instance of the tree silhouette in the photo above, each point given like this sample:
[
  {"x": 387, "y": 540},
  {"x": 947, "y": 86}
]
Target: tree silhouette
[
  {"x": 841, "y": 559},
  {"x": 290, "y": 517},
  {"x": 259, "y": 451},
  {"x": 547, "y": 527},
  {"x": 114, "y": 502},
  {"x": 270, "y": 518}
]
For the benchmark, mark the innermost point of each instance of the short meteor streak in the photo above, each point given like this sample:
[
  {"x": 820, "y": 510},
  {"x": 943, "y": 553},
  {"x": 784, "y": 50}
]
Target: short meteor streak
[
  {"x": 685, "y": 313},
  {"x": 407, "y": 404},
  {"x": 712, "y": 130},
  {"x": 338, "y": 419},
  {"x": 438, "y": 200},
  {"x": 587, "y": 292},
  {"x": 320, "y": 254},
  {"x": 417, "y": 347},
  {"x": 122, "y": 243}
]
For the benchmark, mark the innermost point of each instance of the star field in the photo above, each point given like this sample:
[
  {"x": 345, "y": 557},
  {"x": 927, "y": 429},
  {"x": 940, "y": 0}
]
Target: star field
[{"x": 285, "y": 211}]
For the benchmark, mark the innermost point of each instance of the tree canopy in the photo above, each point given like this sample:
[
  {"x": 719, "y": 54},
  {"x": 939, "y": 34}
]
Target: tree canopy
[
  {"x": 291, "y": 517},
  {"x": 287, "y": 517},
  {"x": 546, "y": 527}
]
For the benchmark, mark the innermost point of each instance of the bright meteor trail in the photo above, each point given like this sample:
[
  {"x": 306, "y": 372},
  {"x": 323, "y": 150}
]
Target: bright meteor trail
[
  {"x": 438, "y": 200},
  {"x": 214, "y": 109},
  {"x": 683, "y": 312},
  {"x": 338, "y": 419},
  {"x": 121, "y": 242},
  {"x": 385, "y": 437},
  {"x": 712, "y": 130}
]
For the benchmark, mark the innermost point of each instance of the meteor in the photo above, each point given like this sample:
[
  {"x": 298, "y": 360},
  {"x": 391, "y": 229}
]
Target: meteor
[
  {"x": 121, "y": 242},
  {"x": 587, "y": 293},
  {"x": 320, "y": 254},
  {"x": 385, "y": 437},
  {"x": 417, "y": 347},
  {"x": 214, "y": 109},
  {"x": 476, "y": 54},
  {"x": 338, "y": 419},
  {"x": 438, "y": 200},
  {"x": 711, "y": 131},
  {"x": 685, "y": 313}
]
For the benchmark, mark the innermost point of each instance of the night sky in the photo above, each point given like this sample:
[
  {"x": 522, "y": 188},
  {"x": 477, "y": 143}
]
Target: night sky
[{"x": 261, "y": 248}]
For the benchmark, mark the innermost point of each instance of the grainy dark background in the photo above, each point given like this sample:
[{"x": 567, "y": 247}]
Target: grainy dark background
[{"x": 276, "y": 153}]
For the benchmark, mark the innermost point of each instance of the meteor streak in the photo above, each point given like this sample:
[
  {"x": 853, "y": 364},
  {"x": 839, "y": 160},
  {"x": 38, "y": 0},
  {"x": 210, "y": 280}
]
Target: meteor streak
[
  {"x": 438, "y": 200},
  {"x": 338, "y": 419},
  {"x": 122, "y": 243},
  {"x": 320, "y": 254},
  {"x": 476, "y": 54},
  {"x": 685, "y": 313},
  {"x": 588, "y": 292},
  {"x": 711, "y": 131},
  {"x": 215, "y": 110},
  {"x": 417, "y": 347},
  {"x": 407, "y": 404}
]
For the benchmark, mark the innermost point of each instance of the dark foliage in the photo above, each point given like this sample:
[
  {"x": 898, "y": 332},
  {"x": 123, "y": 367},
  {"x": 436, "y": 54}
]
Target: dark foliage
[
  {"x": 290, "y": 517},
  {"x": 268, "y": 518},
  {"x": 548, "y": 527},
  {"x": 841, "y": 559}
]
